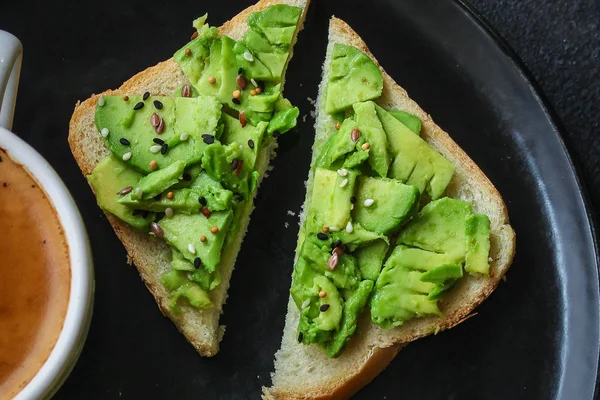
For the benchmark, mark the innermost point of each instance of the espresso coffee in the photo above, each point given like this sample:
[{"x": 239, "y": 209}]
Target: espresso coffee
[{"x": 35, "y": 277}]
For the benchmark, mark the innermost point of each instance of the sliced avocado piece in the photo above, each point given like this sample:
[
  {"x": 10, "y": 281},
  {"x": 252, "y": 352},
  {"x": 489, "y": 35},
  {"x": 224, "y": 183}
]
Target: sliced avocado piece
[
  {"x": 478, "y": 244},
  {"x": 415, "y": 161},
  {"x": 373, "y": 133},
  {"x": 183, "y": 233},
  {"x": 370, "y": 259},
  {"x": 440, "y": 290},
  {"x": 193, "y": 293},
  {"x": 174, "y": 279},
  {"x": 132, "y": 137},
  {"x": 359, "y": 236},
  {"x": 206, "y": 279},
  {"x": 157, "y": 182},
  {"x": 192, "y": 62},
  {"x": 277, "y": 23},
  {"x": 353, "y": 77},
  {"x": 422, "y": 260},
  {"x": 439, "y": 227},
  {"x": 345, "y": 275},
  {"x": 331, "y": 195},
  {"x": 284, "y": 120},
  {"x": 442, "y": 273},
  {"x": 412, "y": 122},
  {"x": 110, "y": 176},
  {"x": 330, "y": 305},
  {"x": 217, "y": 198},
  {"x": 338, "y": 144},
  {"x": 352, "y": 309},
  {"x": 249, "y": 137},
  {"x": 190, "y": 173},
  {"x": 383, "y": 205},
  {"x": 184, "y": 201},
  {"x": 355, "y": 159},
  {"x": 213, "y": 67},
  {"x": 302, "y": 282},
  {"x": 218, "y": 161},
  {"x": 229, "y": 72}
]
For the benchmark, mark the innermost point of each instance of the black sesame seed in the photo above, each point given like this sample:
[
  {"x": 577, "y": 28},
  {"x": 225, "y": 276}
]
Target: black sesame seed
[
  {"x": 202, "y": 200},
  {"x": 136, "y": 212},
  {"x": 338, "y": 243},
  {"x": 300, "y": 337},
  {"x": 138, "y": 106},
  {"x": 146, "y": 95},
  {"x": 321, "y": 236},
  {"x": 186, "y": 176},
  {"x": 197, "y": 262},
  {"x": 208, "y": 139},
  {"x": 240, "y": 71},
  {"x": 353, "y": 199},
  {"x": 124, "y": 142},
  {"x": 276, "y": 134},
  {"x": 164, "y": 148},
  {"x": 236, "y": 101},
  {"x": 324, "y": 307},
  {"x": 158, "y": 141},
  {"x": 251, "y": 143},
  {"x": 158, "y": 104}
]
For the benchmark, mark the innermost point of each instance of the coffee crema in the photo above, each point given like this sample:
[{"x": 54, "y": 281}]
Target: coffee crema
[{"x": 35, "y": 277}]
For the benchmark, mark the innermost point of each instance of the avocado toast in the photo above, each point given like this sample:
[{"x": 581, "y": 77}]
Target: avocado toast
[
  {"x": 176, "y": 153},
  {"x": 400, "y": 237}
]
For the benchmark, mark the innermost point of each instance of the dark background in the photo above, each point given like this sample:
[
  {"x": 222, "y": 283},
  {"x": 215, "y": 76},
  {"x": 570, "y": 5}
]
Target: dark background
[{"x": 77, "y": 48}]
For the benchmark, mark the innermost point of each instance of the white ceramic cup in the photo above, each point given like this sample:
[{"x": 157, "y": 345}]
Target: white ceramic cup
[{"x": 66, "y": 351}]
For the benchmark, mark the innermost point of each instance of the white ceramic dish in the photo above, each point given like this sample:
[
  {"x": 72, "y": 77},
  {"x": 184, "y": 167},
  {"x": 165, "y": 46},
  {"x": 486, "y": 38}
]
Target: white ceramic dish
[{"x": 77, "y": 320}]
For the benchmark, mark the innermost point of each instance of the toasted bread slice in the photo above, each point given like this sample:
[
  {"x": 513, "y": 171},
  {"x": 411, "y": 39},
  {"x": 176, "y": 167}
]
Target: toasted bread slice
[
  {"x": 152, "y": 256},
  {"x": 303, "y": 372}
]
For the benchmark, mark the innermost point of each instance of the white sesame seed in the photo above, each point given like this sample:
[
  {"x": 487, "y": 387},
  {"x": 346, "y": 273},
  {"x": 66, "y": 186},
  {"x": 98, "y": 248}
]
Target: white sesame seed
[
  {"x": 342, "y": 172},
  {"x": 139, "y": 193},
  {"x": 349, "y": 227},
  {"x": 156, "y": 148},
  {"x": 305, "y": 303},
  {"x": 369, "y": 202},
  {"x": 253, "y": 82},
  {"x": 344, "y": 183},
  {"x": 334, "y": 229},
  {"x": 101, "y": 101},
  {"x": 169, "y": 212},
  {"x": 104, "y": 132},
  {"x": 127, "y": 156},
  {"x": 248, "y": 56},
  {"x": 184, "y": 136},
  {"x": 351, "y": 207},
  {"x": 191, "y": 248}
]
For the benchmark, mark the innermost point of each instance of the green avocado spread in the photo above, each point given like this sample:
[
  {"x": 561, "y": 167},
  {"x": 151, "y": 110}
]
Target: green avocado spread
[
  {"x": 184, "y": 166},
  {"x": 379, "y": 232}
]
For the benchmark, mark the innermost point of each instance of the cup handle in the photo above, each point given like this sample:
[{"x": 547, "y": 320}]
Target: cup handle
[{"x": 11, "y": 56}]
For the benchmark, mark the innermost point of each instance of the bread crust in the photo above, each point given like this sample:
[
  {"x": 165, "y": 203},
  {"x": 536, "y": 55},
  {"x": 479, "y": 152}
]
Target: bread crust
[
  {"x": 151, "y": 256},
  {"x": 379, "y": 346}
]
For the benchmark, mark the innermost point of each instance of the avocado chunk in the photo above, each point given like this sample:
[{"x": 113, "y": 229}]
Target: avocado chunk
[
  {"x": 383, "y": 205},
  {"x": 359, "y": 236},
  {"x": 234, "y": 133},
  {"x": 193, "y": 62},
  {"x": 339, "y": 144},
  {"x": 415, "y": 161},
  {"x": 439, "y": 227},
  {"x": 156, "y": 182},
  {"x": 442, "y": 273},
  {"x": 208, "y": 280},
  {"x": 423, "y": 260},
  {"x": 217, "y": 198},
  {"x": 353, "y": 77},
  {"x": 224, "y": 163},
  {"x": 284, "y": 120},
  {"x": 352, "y": 309},
  {"x": 345, "y": 275},
  {"x": 355, "y": 159},
  {"x": 478, "y": 244},
  {"x": 412, "y": 122},
  {"x": 184, "y": 201},
  {"x": 373, "y": 133},
  {"x": 183, "y": 233},
  {"x": 330, "y": 204},
  {"x": 330, "y": 305},
  {"x": 132, "y": 137},
  {"x": 302, "y": 282},
  {"x": 110, "y": 176},
  {"x": 180, "y": 286},
  {"x": 370, "y": 259}
]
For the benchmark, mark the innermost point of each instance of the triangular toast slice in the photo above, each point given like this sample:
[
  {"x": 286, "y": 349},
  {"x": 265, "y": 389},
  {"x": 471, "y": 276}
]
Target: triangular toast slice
[
  {"x": 151, "y": 256},
  {"x": 305, "y": 371}
]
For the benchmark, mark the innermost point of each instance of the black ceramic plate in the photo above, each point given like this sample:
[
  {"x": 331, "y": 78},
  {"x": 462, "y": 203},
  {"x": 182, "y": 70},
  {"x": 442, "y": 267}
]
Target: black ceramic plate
[{"x": 535, "y": 338}]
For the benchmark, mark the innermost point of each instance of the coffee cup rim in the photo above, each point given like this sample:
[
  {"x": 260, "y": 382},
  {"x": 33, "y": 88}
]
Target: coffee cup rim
[{"x": 70, "y": 342}]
